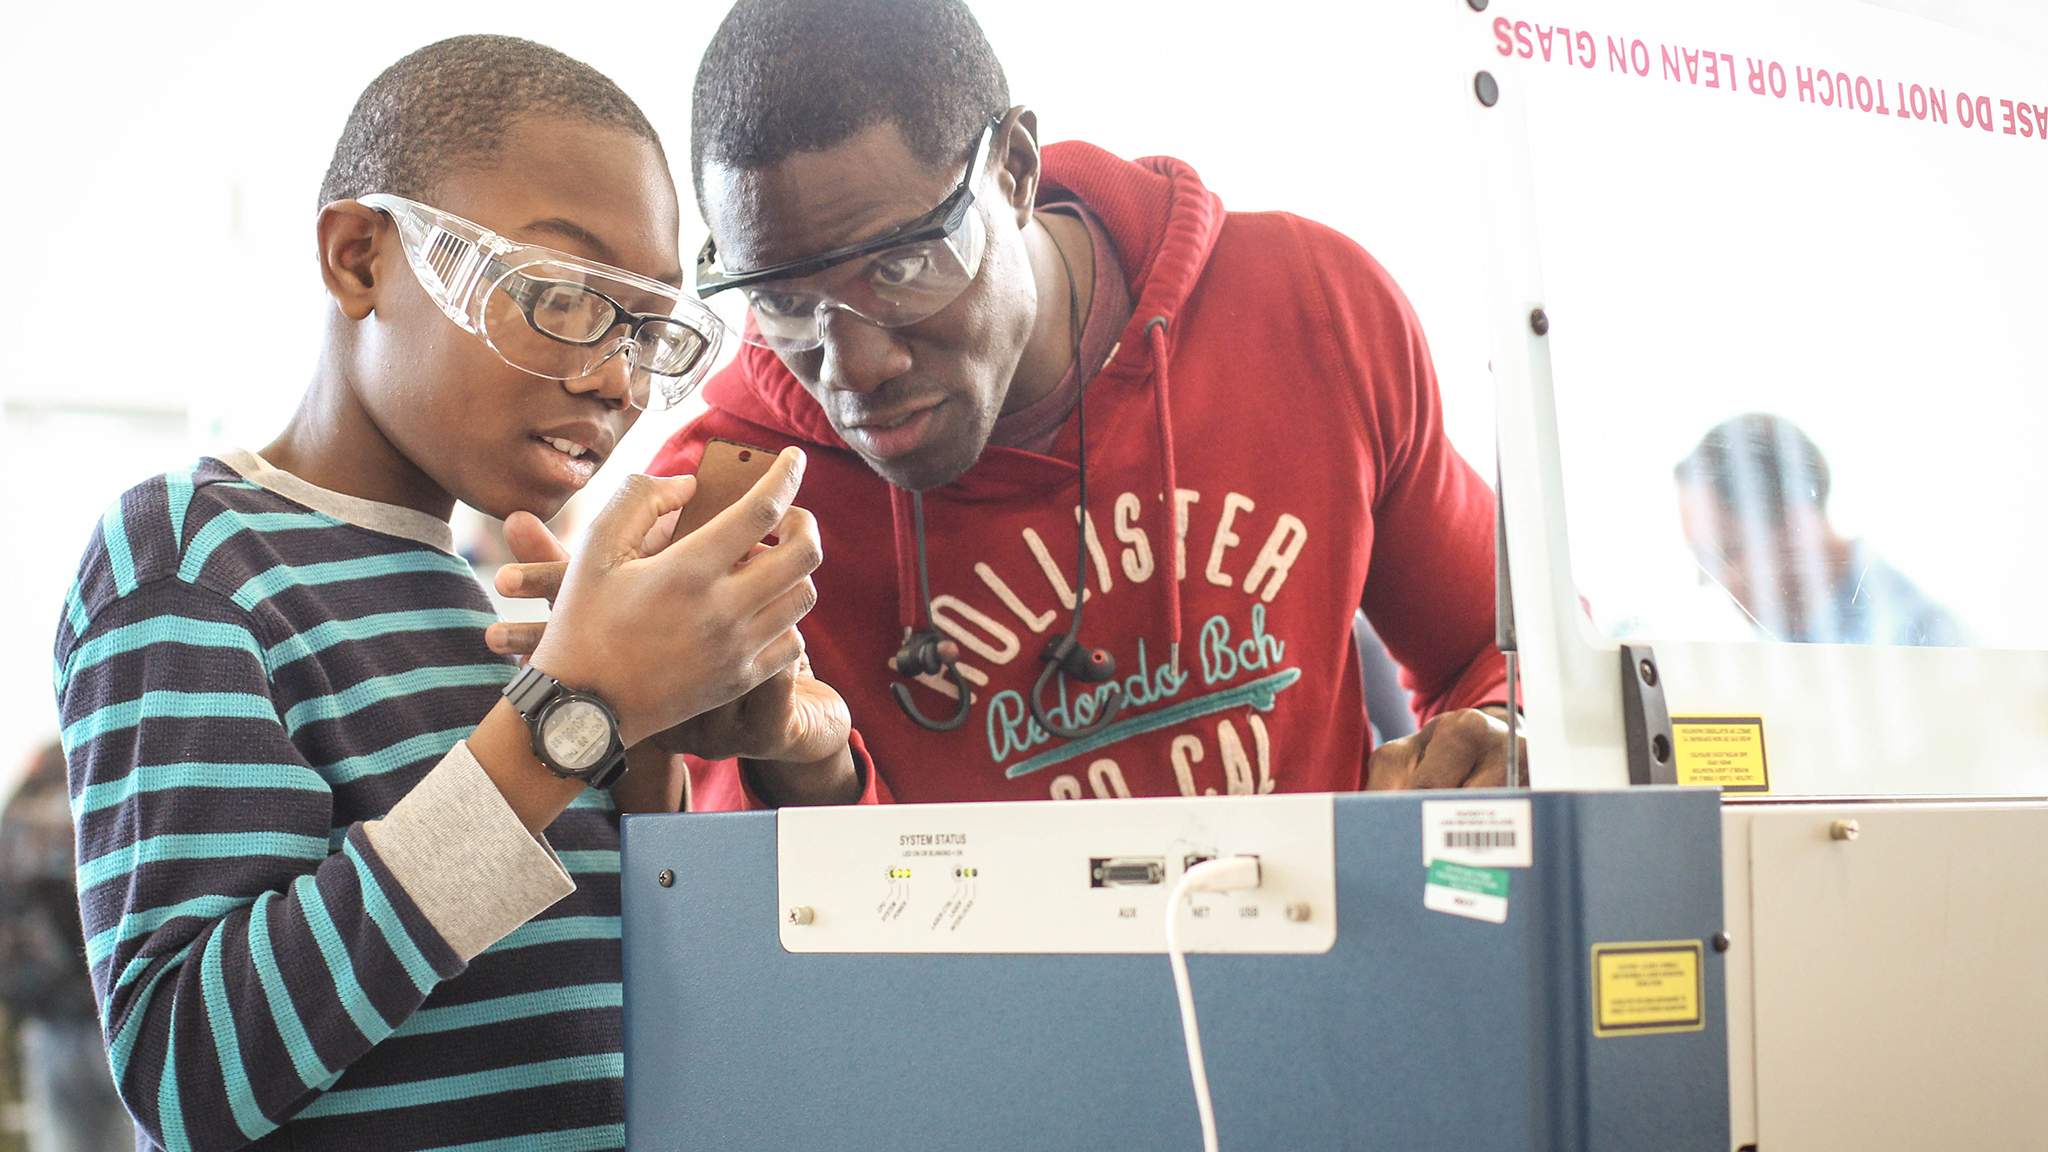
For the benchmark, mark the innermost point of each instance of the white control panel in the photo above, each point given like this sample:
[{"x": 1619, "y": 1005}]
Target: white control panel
[{"x": 1076, "y": 876}]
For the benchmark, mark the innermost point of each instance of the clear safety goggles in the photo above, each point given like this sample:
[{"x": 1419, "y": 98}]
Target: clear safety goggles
[
  {"x": 905, "y": 275},
  {"x": 553, "y": 314}
]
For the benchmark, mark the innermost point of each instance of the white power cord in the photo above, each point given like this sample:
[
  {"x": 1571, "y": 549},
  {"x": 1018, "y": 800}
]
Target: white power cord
[{"x": 1227, "y": 874}]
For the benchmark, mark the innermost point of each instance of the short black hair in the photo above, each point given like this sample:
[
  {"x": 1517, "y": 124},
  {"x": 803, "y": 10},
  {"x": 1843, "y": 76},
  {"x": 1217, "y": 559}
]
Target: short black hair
[
  {"x": 1758, "y": 462},
  {"x": 788, "y": 76},
  {"x": 449, "y": 105}
]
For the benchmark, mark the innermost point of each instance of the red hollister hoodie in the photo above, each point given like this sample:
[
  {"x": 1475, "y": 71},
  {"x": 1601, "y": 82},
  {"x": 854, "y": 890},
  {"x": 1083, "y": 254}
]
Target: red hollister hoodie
[{"x": 1265, "y": 454}]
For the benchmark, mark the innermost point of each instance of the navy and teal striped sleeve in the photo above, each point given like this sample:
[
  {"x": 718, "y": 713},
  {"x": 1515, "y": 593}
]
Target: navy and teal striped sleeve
[{"x": 241, "y": 965}]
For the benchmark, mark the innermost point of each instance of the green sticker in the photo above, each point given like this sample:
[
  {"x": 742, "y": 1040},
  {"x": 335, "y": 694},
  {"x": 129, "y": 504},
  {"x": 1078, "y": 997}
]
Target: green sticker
[{"x": 1465, "y": 878}]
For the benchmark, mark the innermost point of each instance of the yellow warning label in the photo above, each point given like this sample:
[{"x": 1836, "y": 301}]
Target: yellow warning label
[
  {"x": 1649, "y": 987},
  {"x": 1723, "y": 751}
]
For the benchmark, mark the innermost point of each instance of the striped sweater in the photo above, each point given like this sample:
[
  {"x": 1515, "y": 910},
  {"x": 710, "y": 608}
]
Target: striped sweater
[{"x": 311, "y": 919}]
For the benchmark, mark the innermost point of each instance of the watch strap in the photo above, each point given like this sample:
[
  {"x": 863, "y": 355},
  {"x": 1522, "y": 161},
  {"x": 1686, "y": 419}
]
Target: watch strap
[
  {"x": 531, "y": 689},
  {"x": 610, "y": 769}
]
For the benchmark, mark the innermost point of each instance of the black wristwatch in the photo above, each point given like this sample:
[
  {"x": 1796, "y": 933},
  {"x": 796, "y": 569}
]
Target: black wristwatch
[{"x": 575, "y": 734}]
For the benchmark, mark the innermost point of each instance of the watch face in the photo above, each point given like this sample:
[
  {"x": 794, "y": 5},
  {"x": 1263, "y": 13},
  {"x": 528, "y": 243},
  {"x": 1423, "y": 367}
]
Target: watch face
[{"x": 576, "y": 734}]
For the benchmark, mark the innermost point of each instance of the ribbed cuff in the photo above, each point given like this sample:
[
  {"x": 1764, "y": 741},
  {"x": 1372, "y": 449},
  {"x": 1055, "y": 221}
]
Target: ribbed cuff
[{"x": 461, "y": 853}]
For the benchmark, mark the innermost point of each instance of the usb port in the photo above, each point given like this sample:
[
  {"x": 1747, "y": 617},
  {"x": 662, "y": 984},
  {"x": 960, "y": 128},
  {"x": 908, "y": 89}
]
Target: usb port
[
  {"x": 1193, "y": 859},
  {"x": 1126, "y": 871}
]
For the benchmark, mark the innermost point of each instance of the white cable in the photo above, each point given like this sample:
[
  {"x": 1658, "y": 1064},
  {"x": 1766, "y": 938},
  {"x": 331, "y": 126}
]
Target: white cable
[{"x": 1229, "y": 874}]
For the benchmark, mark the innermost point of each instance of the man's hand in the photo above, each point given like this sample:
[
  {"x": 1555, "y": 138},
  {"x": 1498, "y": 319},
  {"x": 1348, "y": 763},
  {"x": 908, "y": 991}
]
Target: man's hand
[
  {"x": 796, "y": 725},
  {"x": 1465, "y": 749},
  {"x": 793, "y": 717}
]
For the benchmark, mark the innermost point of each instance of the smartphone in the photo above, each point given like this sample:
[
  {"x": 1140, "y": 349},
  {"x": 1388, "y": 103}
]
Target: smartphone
[{"x": 727, "y": 471}]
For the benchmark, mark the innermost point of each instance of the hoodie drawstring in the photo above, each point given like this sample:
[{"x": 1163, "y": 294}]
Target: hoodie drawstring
[
  {"x": 908, "y": 545},
  {"x": 1155, "y": 332}
]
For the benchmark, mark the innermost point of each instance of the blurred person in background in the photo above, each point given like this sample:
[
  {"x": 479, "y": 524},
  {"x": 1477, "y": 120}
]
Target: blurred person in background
[
  {"x": 68, "y": 1096},
  {"x": 1753, "y": 501}
]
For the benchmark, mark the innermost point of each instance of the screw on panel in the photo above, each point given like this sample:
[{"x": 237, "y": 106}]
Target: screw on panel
[
  {"x": 1723, "y": 942},
  {"x": 1477, "y": 5},
  {"x": 667, "y": 877},
  {"x": 801, "y": 915},
  {"x": 1844, "y": 830},
  {"x": 1486, "y": 88},
  {"x": 1648, "y": 670},
  {"x": 1299, "y": 912},
  {"x": 1539, "y": 323}
]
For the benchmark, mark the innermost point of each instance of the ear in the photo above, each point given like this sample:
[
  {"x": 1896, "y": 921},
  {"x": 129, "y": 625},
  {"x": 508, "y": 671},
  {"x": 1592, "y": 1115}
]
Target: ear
[
  {"x": 1016, "y": 143},
  {"x": 350, "y": 236}
]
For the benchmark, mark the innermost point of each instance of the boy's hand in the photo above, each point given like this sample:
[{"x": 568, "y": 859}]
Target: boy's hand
[
  {"x": 664, "y": 637},
  {"x": 791, "y": 717}
]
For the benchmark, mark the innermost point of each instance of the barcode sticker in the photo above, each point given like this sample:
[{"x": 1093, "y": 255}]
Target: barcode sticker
[{"x": 1484, "y": 834}]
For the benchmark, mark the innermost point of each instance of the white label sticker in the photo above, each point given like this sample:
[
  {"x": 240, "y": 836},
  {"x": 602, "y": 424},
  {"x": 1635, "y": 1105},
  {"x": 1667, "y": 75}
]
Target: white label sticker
[{"x": 1482, "y": 833}]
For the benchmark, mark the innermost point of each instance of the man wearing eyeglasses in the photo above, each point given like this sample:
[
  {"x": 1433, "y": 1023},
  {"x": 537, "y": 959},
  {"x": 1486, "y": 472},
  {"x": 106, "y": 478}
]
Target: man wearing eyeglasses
[{"x": 1104, "y": 470}]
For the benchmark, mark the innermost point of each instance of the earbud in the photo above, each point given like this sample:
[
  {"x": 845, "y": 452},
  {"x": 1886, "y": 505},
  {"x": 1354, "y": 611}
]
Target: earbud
[
  {"x": 1088, "y": 665},
  {"x": 1063, "y": 655},
  {"x": 920, "y": 655},
  {"x": 924, "y": 653}
]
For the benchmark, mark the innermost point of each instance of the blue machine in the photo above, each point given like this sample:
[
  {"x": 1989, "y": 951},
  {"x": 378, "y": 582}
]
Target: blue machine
[{"x": 1590, "y": 1017}]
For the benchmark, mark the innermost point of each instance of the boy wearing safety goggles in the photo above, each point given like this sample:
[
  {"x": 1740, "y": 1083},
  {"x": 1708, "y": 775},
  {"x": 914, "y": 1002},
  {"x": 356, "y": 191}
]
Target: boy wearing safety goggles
[
  {"x": 320, "y": 911},
  {"x": 1140, "y": 458}
]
